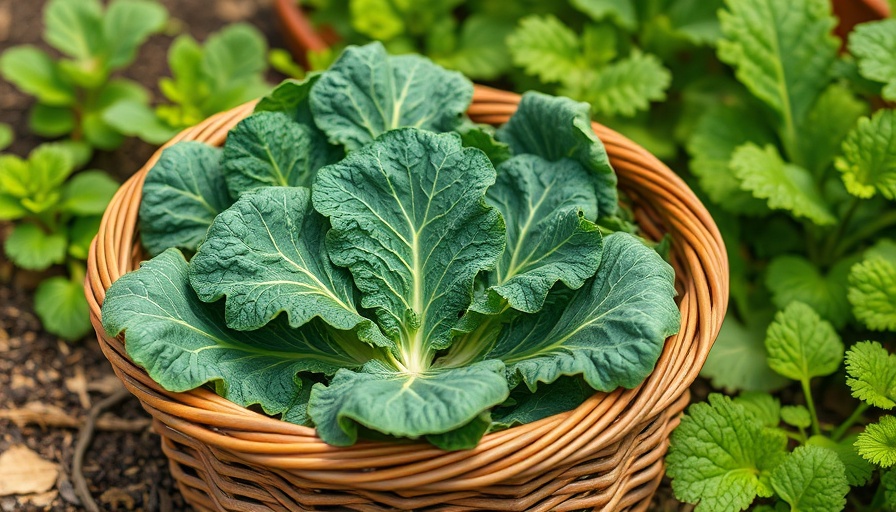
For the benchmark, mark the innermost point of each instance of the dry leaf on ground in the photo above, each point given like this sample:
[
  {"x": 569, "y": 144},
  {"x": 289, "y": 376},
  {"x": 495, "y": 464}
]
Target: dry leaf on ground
[{"x": 22, "y": 471}]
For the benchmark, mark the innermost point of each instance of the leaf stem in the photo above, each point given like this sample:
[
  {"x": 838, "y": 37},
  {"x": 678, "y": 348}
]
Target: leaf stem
[
  {"x": 866, "y": 232},
  {"x": 810, "y": 404},
  {"x": 856, "y": 415},
  {"x": 832, "y": 238}
]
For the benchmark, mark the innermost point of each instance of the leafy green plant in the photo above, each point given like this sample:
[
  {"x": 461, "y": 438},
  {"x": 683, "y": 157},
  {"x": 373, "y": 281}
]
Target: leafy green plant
[
  {"x": 406, "y": 288},
  {"x": 618, "y": 55},
  {"x": 55, "y": 214},
  {"x": 75, "y": 93},
  {"x": 224, "y": 72}
]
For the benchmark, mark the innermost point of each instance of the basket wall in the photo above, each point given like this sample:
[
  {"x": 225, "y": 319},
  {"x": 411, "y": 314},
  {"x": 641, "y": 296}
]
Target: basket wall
[{"x": 606, "y": 454}]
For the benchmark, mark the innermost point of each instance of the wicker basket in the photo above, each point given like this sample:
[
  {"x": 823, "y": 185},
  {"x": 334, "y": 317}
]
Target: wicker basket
[{"x": 606, "y": 454}]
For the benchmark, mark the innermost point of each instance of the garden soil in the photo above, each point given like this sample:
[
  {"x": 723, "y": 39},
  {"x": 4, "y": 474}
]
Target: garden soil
[{"x": 48, "y": 386}]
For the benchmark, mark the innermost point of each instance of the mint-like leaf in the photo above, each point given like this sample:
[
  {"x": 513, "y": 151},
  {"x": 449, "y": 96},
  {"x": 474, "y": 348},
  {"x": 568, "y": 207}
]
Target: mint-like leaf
[
  {"x": 868, "y": 164},
  {"x": 874, "y": 45},
  {"x": 878, "y": 442},
  {"x": 811, "y": 478},
  {"x": 721, "y": 457},
  {"x": 794, "y": 278},
  {"x": 871, "y": 374},
  {"x": 872, "y": 293},
  {"x": 801, "y": 345}
]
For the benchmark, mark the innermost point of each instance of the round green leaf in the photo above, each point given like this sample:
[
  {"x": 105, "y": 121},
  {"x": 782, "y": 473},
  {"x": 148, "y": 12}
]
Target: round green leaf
[
  {"x": 88, "y": 193},
  {"x": 35, "y": 73},
  {"x": 62, "y": 308},
  {"x": 29, "y": 247},
  {"x": 878, "y": 442}
]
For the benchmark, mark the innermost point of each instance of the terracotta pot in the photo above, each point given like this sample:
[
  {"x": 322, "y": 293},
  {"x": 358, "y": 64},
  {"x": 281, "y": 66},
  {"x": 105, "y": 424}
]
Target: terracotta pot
[{"x": 852, "y": 12}]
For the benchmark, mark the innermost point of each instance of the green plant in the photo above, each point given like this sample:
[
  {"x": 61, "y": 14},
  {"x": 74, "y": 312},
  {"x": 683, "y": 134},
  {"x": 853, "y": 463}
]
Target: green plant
[
  {"x": 75, "y": 93},
  {"x": 56, "y": 214},
  {"x": 423, "y": 293},
  {"x": 226, "y": 71},
  {"x": 802, "y": 177}
]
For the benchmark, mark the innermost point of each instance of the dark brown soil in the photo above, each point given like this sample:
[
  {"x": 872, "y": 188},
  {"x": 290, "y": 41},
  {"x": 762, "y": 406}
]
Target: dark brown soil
[{"x": 124, "y": 467}]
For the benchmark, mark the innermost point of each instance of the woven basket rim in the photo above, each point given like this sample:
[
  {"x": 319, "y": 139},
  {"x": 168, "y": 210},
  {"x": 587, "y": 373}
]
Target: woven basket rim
[{"x": 514, "y": 453}]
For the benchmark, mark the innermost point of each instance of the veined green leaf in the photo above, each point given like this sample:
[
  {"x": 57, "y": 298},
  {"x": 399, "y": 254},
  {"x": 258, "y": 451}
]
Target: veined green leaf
[
  {"x": 784, "y": 186},
  {"x": 624, "y": 87},
  {"x": 62, "y": 308},
  {"x": 718, "y": 133},
  {"x": 482, "y": 136},
  {"x": 721, "y": 457},
  {"x": 762, "y": 406},
  {"x": 544, "y": 205},
  {"x": 75, "y": 27},
  {"x": 858, "y": 470},
  {"x": 794, "y": 278},
  {"x": 801, "y": 345},
  {"x": 564, "y": 394},
  {"x": 868, "y": 164},
  {"x": 410, "y": 223},
  {"x": 183, "y": 342},
  {"x": 872, "y": 293},
  {"x": 367, "y": 92},
  {"x": 269, "y": 149},
  {"x": 465, "y": 437},
  {"x": 182, "y": 194},
  {"x": 811, "y": 478},
  {"x": 545, "y": 47},
  {"x": 874, "y": 45},
  {"x": 267, "y": 255},
  {"x": 871, "y": 374},
  {"x": 127, "y": 24},
  {"x": 827, "y": 124},
  {"x": 34, "y": 72},
  {"x": 738, "y": 359},
  {"x": 878, "y": 442},
  {"x": 403, "y": 404},
  {"x": 783, "y": 53},
  {"x": 555, "y": 128},
  {"x": 611, "y": 330}
]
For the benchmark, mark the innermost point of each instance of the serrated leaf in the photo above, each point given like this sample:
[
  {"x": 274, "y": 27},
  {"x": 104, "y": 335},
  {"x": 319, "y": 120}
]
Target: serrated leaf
[
  {"x": 545, "y": 47},
  {"x": 827, "y": 124},
  {"x": 269, "y": 149},
  {"x": 738, "y": 359},
  {"x": 871, "y": 374},
  {"x": 611, "y": 330},
  {"x": 75, "y": 27},
  {"x": 544, "y": 205},
  {"x": 721, "y": 458},
  {"x": 410, "y": 224},
  {"x": 858, "y": 470},
  {"x": 878, "y": 442},
  {"x": 182, "y": 194},
  {"x": 127, "y": 24},
  {"x": 88, "y": 193},
  {"x": 888, "y": 482},
  {"x": 367, "y": 92},
  {"x": 62, "y": 308},
  {"x": 481, "y": 52},
  {"x": 811, "y": 478},
  {"x": 434, "y": 402},
  {"x": 783, "y": 53},
  {"x": 874, "y": 45},
  {"x": 624, "y": 87},
  {"x": 621, "y": 12},
  {"x": 872, "y": 293},
  {"x": 796, "y": 416},
  {"x": 30, "y": 248},
  {"x": 801, "y": 345},
  {"x": 868, "y": 164},
  {"x": 794, "y": 278},
  {"x": 715, "y": 137},
  {"x": 267, "y": 255},
  {"x": 564, "y": 394},
  {"x": 183, "y": 342},
  {"x": 784, "y": 186},
  {"x": 35, "y": 73},
  {"x": 763, "y": 406},
  {"x": 555, "y": 128}
]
